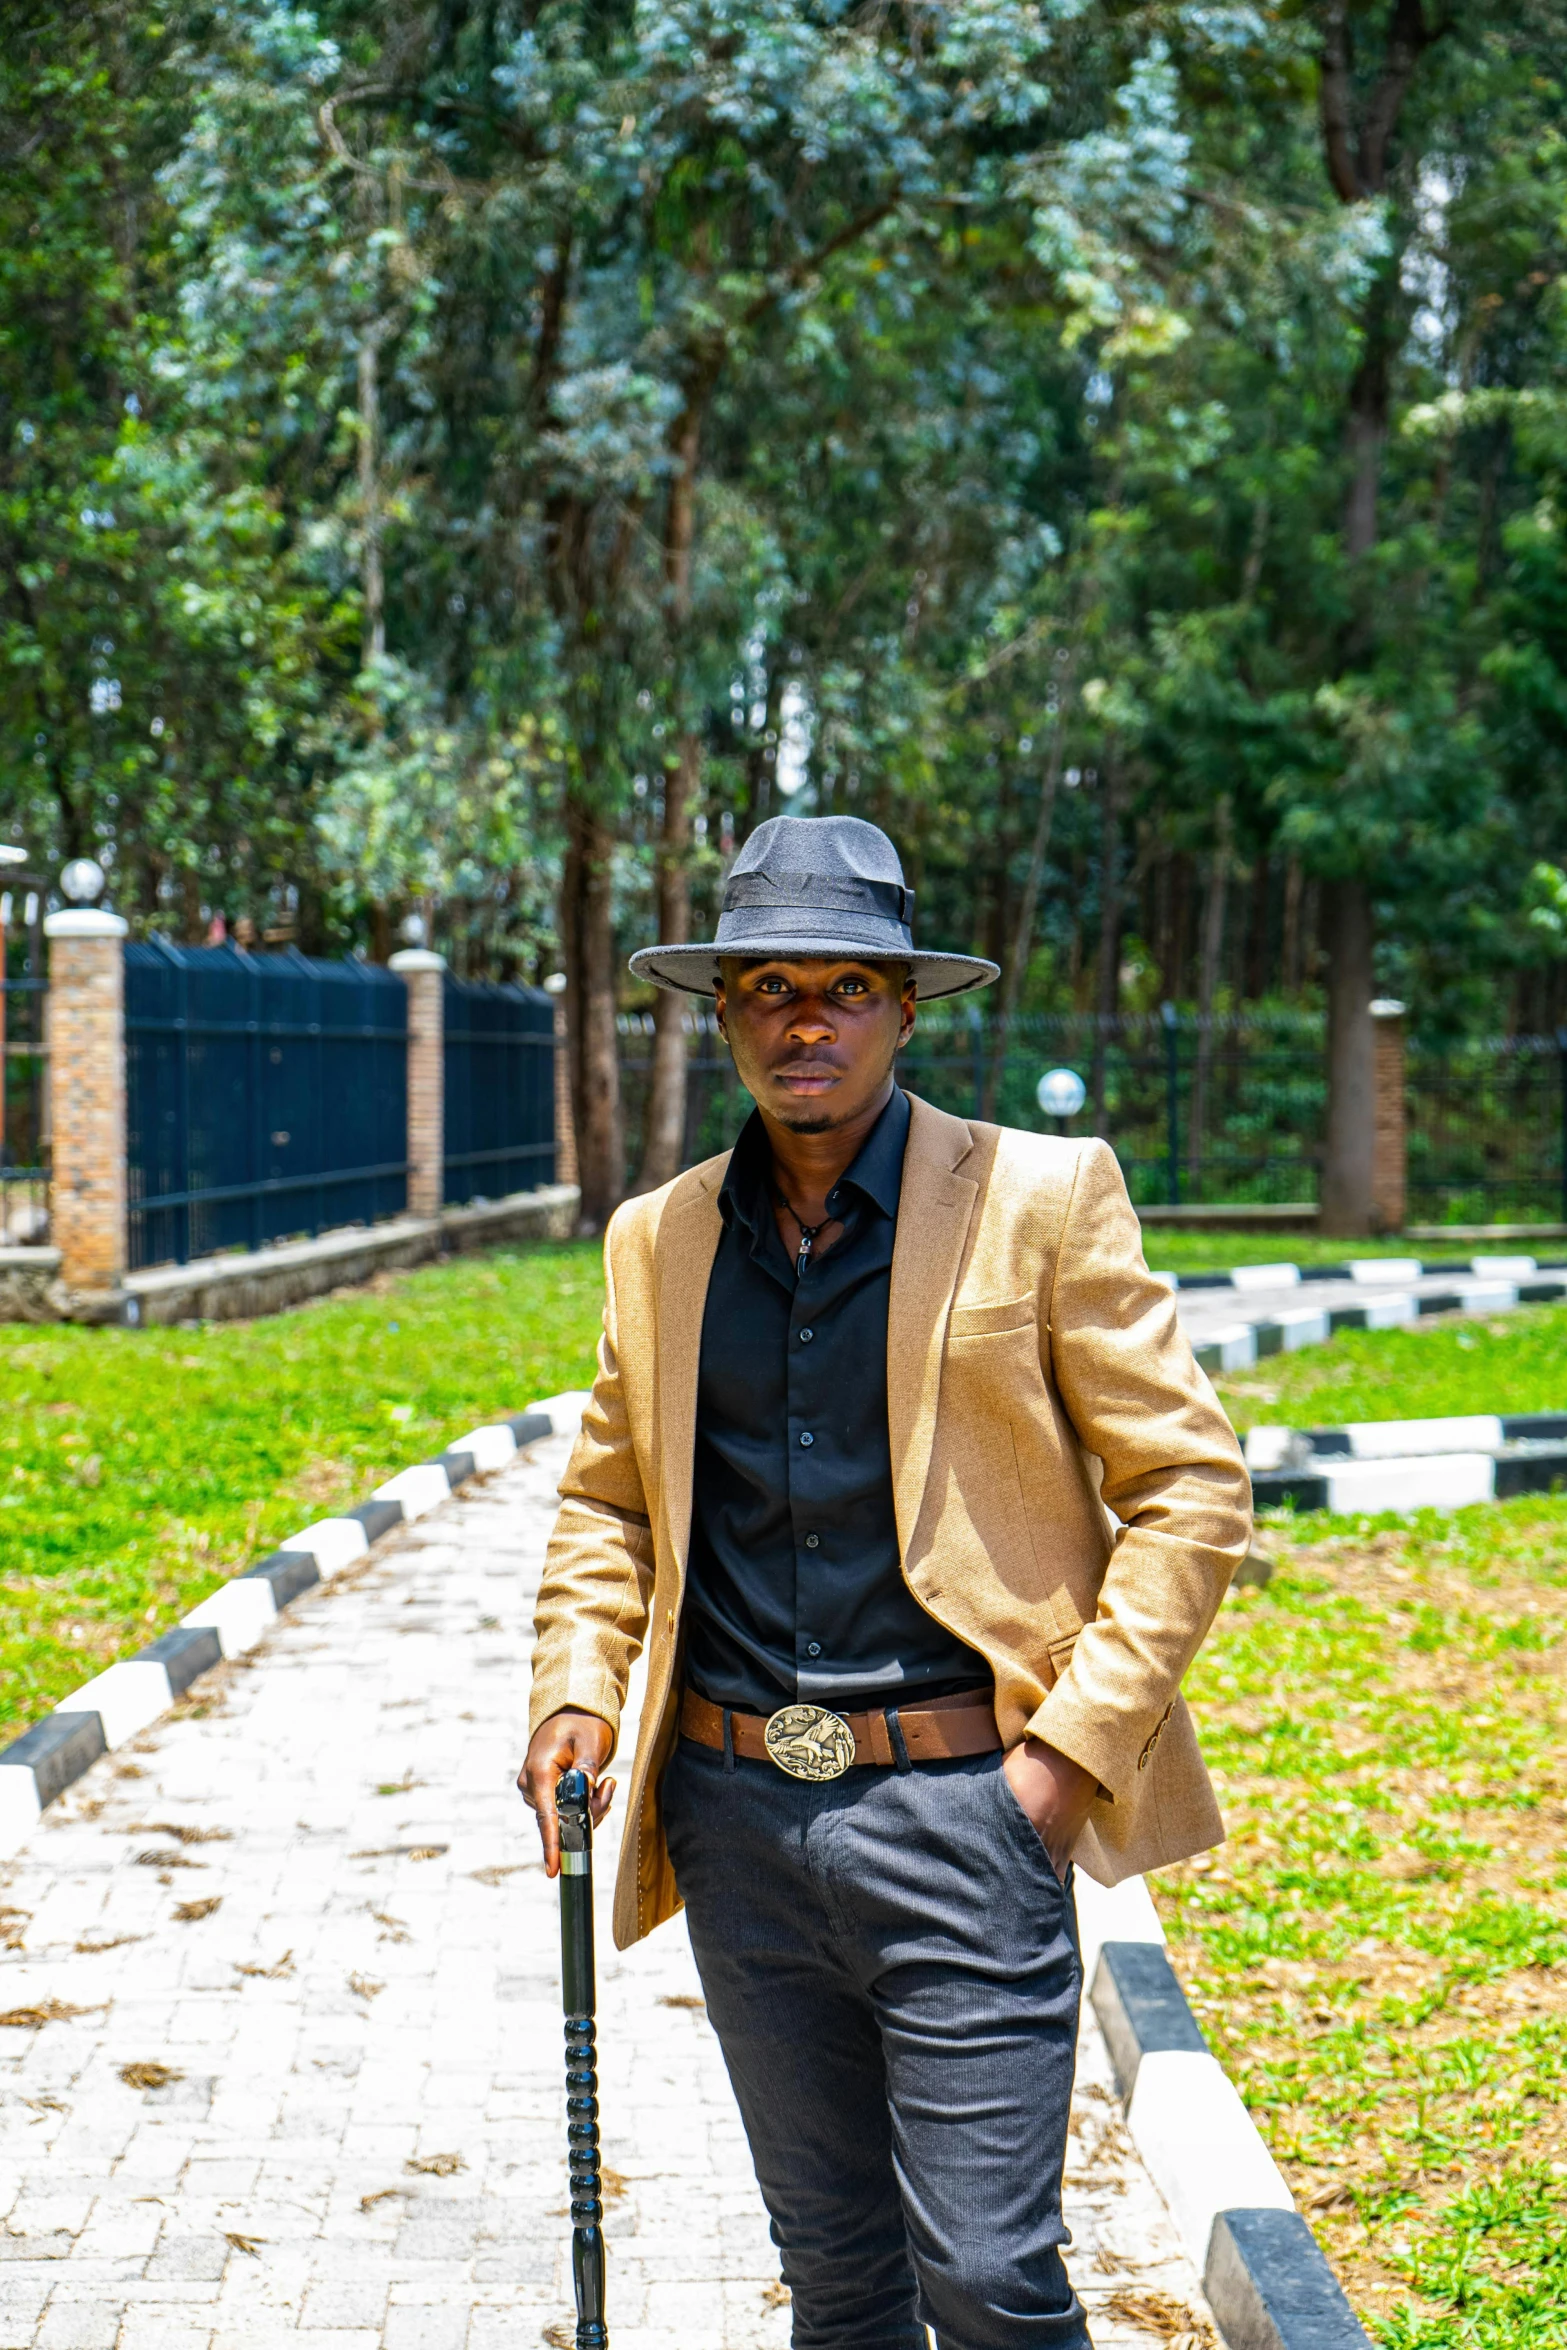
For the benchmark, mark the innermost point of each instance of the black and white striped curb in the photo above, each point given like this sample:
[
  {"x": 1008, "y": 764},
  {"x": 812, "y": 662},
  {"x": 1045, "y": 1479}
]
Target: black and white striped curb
[
  {"x": 1235, "y": 1346},
  {"x": 1383, "y": 1440},
  {"x": 122, "y": 1700},
  {"x": 1408, "y": 1464},
  {"x": 1266, "y": 2277},
  {"x": 1367, "y": 1269}
]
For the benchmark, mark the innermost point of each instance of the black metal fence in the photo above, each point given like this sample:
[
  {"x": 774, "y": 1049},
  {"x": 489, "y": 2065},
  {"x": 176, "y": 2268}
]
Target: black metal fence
[
  {"x": 500, "y": 1090},
  {"x": 1488, "y": 1130},
  {"x": 1229, "y": 1110},
  {"x": 1224, "y": 1112},
  {"x": 24, "y": 1101},
  {"x": 266, "y": 1097}
]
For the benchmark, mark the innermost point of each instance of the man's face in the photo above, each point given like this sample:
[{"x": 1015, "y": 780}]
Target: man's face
[{"x": 814, "y": 1041}]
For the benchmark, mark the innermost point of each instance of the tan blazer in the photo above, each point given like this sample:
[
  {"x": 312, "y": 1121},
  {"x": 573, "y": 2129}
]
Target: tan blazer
[{"x": 1035, "y": 1371}]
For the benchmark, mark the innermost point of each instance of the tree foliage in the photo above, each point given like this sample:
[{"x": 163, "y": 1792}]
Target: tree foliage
[{"x": 481, "y": 458}]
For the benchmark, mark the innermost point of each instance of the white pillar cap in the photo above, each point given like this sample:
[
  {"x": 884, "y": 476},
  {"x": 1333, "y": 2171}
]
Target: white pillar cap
[
  {"x": 84, "y": 922},
  {"x": 417, "y": 959},
  {"x": 1388, "y": 1007}
]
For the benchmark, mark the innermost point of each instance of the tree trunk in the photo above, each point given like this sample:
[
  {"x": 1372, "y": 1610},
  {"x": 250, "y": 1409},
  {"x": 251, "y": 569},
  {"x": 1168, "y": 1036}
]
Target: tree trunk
[
  {"x": 374, "y": 644},
  {"x": 1290, "y": 953},
  {"x": 1261, "y": 910},
  {"x": 1108, "y": 992},
  {"x": 1023, "y": 936},
  {"x": 664, "y": 1135},
  {"x": 1211, "y": 951},
  {"x": 587, "y": 933},
  {"x": 663, "y": 1152},
  {"x": 1346, "y": 1160},
  {"x": 1358, "y": 155}
]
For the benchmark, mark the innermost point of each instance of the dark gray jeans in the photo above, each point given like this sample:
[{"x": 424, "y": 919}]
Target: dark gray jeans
[{"x": 891, "y": 1965}]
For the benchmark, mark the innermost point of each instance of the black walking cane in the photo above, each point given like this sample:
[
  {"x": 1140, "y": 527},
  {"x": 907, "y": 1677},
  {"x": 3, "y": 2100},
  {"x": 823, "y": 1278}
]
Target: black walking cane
[{"x": 578, "y": 1997}]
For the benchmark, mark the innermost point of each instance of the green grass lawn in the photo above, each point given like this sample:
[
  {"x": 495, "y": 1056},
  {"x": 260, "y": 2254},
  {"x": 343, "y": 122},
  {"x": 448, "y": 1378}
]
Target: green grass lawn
[
  {"x": 1514, "y": 1362},
  {"x": 138, "y": 1469},
  {"x": 1379, "y": 1952}
]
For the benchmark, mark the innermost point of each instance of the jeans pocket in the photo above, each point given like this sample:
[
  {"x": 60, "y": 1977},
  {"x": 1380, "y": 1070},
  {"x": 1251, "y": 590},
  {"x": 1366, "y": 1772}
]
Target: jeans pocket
[{"x": 1024, "y": 1831}]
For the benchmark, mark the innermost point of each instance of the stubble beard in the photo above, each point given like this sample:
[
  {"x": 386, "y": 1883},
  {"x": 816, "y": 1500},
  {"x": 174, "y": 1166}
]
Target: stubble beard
[{"x": 806, "y": 1125}]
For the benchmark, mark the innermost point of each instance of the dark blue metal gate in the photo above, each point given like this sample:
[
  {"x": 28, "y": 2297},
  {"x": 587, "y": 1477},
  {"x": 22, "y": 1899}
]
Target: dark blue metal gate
[
  {"x": 266, "y": 1097},
  {"x": 24, "y": 1121},
  {"x": 500, "y": 1090}
]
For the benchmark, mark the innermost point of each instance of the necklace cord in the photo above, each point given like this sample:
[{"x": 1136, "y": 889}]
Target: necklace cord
[{"x": 808, "y": 1232}]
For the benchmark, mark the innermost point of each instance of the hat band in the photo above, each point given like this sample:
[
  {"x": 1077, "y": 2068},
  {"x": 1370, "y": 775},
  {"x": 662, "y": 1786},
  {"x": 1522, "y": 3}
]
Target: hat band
[
  {"x": 876, "y": 933},
  {"x": 803, "y": 891}
]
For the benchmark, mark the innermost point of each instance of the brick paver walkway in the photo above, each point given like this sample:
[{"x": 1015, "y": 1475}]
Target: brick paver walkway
[{"x": 280, "y": 2053}]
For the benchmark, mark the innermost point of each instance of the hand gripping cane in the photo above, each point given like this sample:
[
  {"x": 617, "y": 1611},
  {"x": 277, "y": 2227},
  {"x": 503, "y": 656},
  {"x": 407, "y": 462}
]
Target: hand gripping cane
[{"x": 582, "y": 2104}]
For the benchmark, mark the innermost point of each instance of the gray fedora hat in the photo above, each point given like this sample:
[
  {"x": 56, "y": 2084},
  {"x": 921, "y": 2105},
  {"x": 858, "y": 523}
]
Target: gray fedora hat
[{"x": 815, "y": 886}]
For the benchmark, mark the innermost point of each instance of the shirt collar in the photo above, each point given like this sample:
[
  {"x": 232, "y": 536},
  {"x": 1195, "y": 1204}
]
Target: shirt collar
[{"x": 876, "y": 1172}]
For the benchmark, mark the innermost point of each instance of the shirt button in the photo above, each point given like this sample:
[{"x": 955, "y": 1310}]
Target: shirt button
[
  {"x": 813, "y": 1648},
  {"x": 807, "y": 1438},
  {"x": 813, "y": 1542},
  {"x": 806, "y": 1336}
]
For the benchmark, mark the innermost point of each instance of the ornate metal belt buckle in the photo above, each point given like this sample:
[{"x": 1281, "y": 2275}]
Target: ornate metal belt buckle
[{"x": 809, "y": 1742}]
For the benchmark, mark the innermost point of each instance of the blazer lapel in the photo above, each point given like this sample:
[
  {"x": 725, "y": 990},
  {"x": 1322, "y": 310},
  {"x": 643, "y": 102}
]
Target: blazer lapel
[
  {"x": 686, "y": 1246},
  {"x": 935, "y": 1210}
]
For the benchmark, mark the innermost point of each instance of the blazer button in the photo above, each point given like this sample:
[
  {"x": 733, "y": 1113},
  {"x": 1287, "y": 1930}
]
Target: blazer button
[{"x": 807, "y": 1438}]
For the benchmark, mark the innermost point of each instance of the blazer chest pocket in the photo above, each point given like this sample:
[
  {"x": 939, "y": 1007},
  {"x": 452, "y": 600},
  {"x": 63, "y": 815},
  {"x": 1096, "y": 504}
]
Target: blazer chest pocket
[{"x": 993, "y": 1321}]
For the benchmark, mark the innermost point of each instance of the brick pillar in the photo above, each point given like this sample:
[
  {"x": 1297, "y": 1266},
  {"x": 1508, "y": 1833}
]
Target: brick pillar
[
  {"x": 87, "y": 1088},
  {"x": 566, "y": 1169},
  {"x": 1388, "y": 1149},
  {"x": 424, "y": 975}
]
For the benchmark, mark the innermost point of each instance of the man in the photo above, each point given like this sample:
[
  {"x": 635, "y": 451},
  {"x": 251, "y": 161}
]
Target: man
[{"x": 867, "y": 1389}]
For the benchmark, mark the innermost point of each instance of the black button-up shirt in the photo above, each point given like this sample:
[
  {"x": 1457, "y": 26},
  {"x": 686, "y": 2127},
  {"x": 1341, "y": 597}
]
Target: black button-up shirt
[{"x": 796, "y": 1588}]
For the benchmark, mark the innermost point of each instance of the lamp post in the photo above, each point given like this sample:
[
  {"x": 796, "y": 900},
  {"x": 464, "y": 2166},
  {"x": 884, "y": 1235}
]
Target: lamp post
[
  {"x": 1061, "y": 1093},
  {"x": 82, "y": 881}
]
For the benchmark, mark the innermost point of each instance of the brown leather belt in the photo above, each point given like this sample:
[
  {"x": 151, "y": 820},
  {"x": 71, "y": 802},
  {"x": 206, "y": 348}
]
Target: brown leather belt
[{"x": 942, "y": 1731}]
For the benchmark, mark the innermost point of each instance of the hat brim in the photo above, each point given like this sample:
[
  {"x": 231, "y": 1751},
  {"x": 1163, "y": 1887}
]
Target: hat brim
[{"x": 692, "y": 970}]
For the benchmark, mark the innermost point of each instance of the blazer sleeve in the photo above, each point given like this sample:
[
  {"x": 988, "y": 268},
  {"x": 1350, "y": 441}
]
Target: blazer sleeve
[
  {"x": 1173, "y": 1474},
  {"x": 593, "y": 1600}
]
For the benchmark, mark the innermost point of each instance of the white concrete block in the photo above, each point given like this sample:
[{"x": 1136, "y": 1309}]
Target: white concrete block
[
  {"x": 241, "y": 1613},
  {"x": 1303, "y": 1326},
  {"x": 1507, "y": 1268},
  {"x": 1200, "y": 2145},
  {"x": 1237, "y": 1344},
  {"x": 565, "y": 1411},
  {"x": 126, "y": 1698},
  {"x": 1383, "y": 1440},
  {"x": 1389, "y": 1313},
  {"x": 420, "y": 1489},
  {"x": 1267, "y": 1448},
  {"x": 19, "y": 1807},
  {"x": 1385, "y": 1269},
  {"x": 1487, "y": 1297},
  {"x": 491, "y": 1448},
  {"x": 1443, "y": 1481},
  {"x": 1113, "y": 1913},
  {"x": 334, "y": 1543},
  {"x": 1266, "y": 1276}
]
